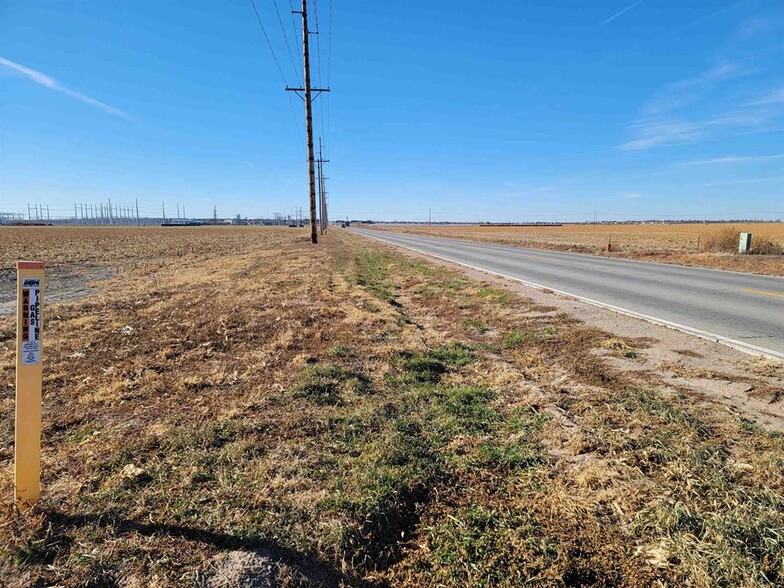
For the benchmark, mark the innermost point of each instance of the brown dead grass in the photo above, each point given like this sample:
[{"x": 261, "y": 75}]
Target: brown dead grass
[
  {"x": 707, "y": 245},
  {"x": 369, "y": 420}
]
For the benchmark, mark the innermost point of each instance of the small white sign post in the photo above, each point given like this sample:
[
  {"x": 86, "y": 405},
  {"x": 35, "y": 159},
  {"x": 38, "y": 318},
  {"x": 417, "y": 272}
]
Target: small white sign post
[{"x": 745, "y": 243}]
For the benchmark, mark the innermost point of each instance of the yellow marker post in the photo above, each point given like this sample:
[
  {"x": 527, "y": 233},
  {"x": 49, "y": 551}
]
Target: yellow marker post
[{"x": 29, "y": 373}]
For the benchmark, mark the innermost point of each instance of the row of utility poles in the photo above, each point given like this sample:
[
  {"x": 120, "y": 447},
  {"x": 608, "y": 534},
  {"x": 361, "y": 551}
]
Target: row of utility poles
[
  {"x": 322, "y": 190},
  {"x": 307, "y": 93}
]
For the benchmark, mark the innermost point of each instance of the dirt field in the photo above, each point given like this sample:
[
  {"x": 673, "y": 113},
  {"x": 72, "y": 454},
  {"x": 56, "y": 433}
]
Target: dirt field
[
  {"x": 707, "y": 245},
  {"x": 235, "y": 399}
]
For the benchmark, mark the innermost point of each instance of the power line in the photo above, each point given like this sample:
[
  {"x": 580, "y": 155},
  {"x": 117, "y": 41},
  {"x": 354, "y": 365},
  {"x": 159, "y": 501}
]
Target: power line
[
  {"x": 294, "y": 23},
  {"x": 280, "y": 69},
  {"x": 286, "y": 39},
  {"x": 329, "y": 69},
  {"x": 269, "y": 44},
  {"x": 318, "y": 54}
]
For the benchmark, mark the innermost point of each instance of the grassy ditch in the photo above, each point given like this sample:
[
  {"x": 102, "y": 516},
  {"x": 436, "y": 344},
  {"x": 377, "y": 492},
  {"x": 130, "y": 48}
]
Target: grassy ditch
[{"x": 384, "y": 422}]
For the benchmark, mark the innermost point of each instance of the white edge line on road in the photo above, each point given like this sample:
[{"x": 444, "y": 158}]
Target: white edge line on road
[{"x": 734, "y": 343}]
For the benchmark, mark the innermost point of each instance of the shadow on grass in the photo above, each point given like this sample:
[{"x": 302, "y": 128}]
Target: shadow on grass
[{"x": 313, "y": 571}]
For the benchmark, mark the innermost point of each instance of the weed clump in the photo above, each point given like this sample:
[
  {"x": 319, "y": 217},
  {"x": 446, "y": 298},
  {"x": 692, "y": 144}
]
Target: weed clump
[
  {"x": 430, "y": 366},
  {"x": 326, "y": 384},
  {"x": 517, "y": 339},
  {"x": 723, "y": 239},
  {"x": 726, "y": 240},
  {"x": 372, "y": 272},
  {"x": 764, "y": 246},
  {"x": 470, "y": 408}
]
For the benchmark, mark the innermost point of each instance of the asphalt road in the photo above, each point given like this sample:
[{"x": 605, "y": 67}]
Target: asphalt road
[{"x": 742, "y": 310}]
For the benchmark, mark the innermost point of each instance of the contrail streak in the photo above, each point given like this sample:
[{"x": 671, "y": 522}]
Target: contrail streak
[
  {"x": 617, "y": 14},
  {"x": 47, "y": 82}
]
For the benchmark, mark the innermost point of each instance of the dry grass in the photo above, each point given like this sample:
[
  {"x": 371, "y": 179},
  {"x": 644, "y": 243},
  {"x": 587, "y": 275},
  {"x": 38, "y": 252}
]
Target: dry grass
[
  {"x": 368, "y": 420},
  {"x": 708, "y": 245}
]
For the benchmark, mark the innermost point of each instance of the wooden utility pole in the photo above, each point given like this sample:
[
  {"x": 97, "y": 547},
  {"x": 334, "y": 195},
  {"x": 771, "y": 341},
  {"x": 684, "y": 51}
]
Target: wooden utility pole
[
  {"x": 320, "y": 172},
  {"x": 322, "y": 187},
  {"x": 309, "y": 122},
  {"x": 308, "y": 97}
]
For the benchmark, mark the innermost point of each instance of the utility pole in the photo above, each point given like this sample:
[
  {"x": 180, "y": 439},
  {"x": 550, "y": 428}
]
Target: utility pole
[
  {"x": 320, "y": 173},
  {"x": 137, "y": 212},
  {"x": 111, "y": 218},
  {"x": 322, "y": 190},
  {"x": 215, "y": 214},
  {"x": 163, "y": 207},
  {"x": 308, "y": 116}
]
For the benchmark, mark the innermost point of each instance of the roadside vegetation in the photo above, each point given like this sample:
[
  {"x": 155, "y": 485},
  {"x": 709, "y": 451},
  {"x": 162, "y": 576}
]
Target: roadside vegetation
[
  {"x": 708, "y": 245},
  {"x": 369, "y": 419}
]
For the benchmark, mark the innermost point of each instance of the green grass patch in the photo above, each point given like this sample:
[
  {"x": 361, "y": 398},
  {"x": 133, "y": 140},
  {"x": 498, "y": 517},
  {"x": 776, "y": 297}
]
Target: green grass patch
[
  {"x": 327, "y": 384},
  {"x": 428, "y": 367},
  {"x": 499, "y": 296},
  {"x": 516, "y": 339},
  {"x": 373, "y": 273},
  {"x": 505, "y": 547},
  {"x": 476, "y": 326},
  {"x": 510, "y": 455}
]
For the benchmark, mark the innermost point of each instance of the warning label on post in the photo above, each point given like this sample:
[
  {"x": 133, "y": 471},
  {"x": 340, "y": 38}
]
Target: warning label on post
[{"x": 31, "y": 321}]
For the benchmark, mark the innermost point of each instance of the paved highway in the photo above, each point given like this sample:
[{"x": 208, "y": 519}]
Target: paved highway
[{"x": 742, "y": 310}]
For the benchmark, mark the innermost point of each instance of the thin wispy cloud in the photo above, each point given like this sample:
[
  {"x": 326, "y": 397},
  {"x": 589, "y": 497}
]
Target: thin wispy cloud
[
  {"x": 754, "y": 26},
  {"x": 619, "y": 13},
  {"x": 684, "y": 92},
  {"x": 775, "y": 97},
  {"x": 743, "y": 181},
  {"x": 657, "y": 133},
  {"x": 668, "y": 118},
  {"x": 47, "y": 82},
  {"x": 734, "y": 159}
]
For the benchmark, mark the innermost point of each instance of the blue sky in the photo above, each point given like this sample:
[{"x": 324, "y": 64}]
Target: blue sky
[{"x": 479, "y": 111}]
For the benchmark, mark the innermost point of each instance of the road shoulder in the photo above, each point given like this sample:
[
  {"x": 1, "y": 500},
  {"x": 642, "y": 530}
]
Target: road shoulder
[{"x": 709, "y": 370}]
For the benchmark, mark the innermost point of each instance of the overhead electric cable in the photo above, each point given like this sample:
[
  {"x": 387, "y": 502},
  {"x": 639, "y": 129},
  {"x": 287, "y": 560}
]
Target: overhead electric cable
[
  {"x": 269, "y": 44},
  {"x": 286, "y": 39},
  {"x": 280, "y": 69}
]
